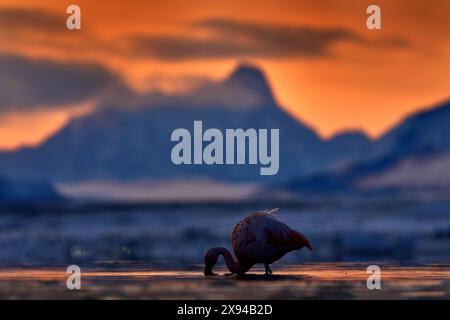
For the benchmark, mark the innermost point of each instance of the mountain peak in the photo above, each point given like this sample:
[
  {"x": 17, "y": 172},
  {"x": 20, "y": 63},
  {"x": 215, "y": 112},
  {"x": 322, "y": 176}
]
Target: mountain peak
[
  {"x": 351, "y": 135},
  {"x": 248, "y": 72},
  {"x": 253, "y": 80},
  {"x": 245, "y": 88}
]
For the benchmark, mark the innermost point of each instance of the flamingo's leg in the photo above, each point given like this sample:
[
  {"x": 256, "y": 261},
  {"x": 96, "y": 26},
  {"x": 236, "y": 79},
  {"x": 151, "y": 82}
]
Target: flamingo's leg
[{"x": 268, "y": 270}]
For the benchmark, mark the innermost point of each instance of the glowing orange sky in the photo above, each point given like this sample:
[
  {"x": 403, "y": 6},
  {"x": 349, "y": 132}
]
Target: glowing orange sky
[{"x": 357, "y": 87}]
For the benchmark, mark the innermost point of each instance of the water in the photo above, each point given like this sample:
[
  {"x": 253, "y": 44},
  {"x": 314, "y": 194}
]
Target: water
[
  {"x": 177, "y": 235},
  {"x": 306, "y": 281}
]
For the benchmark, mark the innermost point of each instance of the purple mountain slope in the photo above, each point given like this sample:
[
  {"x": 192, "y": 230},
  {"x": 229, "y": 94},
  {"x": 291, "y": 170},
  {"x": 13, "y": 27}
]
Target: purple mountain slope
[{"x": 133, "y": 143}]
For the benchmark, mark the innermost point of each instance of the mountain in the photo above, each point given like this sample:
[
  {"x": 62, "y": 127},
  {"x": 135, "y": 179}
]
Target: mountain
[
  {"x": 245, "y": 88},
  {"x": 20, "y": 191},
  {"x": 347, "y": 147},
  {"x": 127, "y": 141},
  {"x": 430, "y": 172},
  {"x": 422, "y": 133},
  {"x": 414, "y": 154},
  {"x": 130, "y": 140}
]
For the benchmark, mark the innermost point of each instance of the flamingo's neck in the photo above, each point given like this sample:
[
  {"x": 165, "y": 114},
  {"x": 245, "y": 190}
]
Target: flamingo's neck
[
  {"x": 232, "y": 265},
  {"x": 212, "y": 256}
]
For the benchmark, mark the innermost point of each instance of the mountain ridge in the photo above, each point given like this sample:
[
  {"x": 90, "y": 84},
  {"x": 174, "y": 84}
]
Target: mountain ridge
[
  {"x": 421, "y": 139},
  {"x": 125, "y": 144}
]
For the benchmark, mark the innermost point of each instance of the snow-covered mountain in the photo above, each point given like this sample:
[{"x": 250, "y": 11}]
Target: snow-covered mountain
[
  {"x": 24, "y": 191},
  {"x": 127, "y": 140},
  {"x": 414, "y": 154},
  {"x": 132, "y": 142}
]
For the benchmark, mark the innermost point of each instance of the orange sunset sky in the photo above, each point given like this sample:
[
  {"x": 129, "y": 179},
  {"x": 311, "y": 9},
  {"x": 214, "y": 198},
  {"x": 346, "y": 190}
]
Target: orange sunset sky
[{"x": 325, "y": 67}]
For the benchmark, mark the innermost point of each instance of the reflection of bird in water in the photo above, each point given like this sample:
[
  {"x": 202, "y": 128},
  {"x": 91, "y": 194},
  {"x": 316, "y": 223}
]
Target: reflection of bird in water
[{"x": 258, "y": 238}]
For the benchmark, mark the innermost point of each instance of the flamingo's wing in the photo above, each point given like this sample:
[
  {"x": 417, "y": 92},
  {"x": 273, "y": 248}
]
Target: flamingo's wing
[
  {"x": 248, "y": 237},
  {"x": 242, "y": 238},
  {"x": 277, "y": 233},
  {"x": 262, "y": 237}
]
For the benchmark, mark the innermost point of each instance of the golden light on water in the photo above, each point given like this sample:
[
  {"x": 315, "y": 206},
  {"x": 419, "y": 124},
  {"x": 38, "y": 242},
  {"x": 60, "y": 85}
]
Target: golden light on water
[{"x": 323, "y": 280}]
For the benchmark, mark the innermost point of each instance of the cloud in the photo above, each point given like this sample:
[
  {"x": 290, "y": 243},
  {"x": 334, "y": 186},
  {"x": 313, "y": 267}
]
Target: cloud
[
  {"x": 239, "y": 39},
  {"x": 232, "y": 38},
  {"x": 29, "y": 84},
  {"x": 14, "y": 19},
  {"x": 226, "y": 38}
]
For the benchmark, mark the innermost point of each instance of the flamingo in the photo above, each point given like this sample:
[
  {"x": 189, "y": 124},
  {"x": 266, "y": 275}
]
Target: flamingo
[{"x": 258, "y": 238}]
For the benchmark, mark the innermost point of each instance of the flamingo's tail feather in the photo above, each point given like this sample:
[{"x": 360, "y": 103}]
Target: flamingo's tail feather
[{"x": 299, "y": 239}]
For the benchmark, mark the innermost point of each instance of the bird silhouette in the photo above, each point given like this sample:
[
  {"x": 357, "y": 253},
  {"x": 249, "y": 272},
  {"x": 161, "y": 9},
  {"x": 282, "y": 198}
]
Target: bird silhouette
[{"x": 258, "y": 238}]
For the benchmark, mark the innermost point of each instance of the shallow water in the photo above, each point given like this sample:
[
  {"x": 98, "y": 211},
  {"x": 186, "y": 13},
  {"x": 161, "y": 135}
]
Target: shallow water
[
  {"x": 156, "y": 251},
  {"x": 308, "y": 281},
  {"x": 178, "y": 235}
]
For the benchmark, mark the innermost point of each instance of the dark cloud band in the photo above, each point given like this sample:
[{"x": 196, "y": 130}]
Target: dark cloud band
[
  {"x": 242, "y": 39},
  {"x": 26, "y": 84},
  {"x": 14, "y": 19},
  {"x": 226, "y": 38}
]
